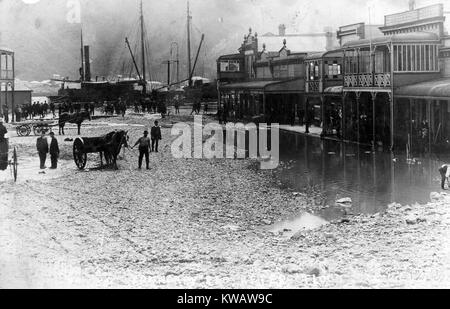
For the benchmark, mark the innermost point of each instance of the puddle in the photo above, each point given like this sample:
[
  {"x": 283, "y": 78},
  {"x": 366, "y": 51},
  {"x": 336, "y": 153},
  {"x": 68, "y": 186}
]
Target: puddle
[
  {"x": 290, "y": 227},
  {"x": 327, "y": 171}
]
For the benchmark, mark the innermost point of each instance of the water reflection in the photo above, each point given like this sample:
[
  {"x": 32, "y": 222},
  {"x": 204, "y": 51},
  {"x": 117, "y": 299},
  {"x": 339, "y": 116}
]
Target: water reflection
[{"x": 330, "y": 170}]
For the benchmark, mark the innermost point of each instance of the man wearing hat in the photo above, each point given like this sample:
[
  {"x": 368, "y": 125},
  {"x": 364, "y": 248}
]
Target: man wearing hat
[
  {"x": 54, "y": 151},
  {"x": 42, "y": 148},
  {"x": 144, "y": 149}
]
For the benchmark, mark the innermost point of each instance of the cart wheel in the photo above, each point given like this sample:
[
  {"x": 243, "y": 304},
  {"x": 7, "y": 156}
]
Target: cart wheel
[
  {"x": 23, "y": 130},
  {"x": 79, "y": 155},
  {"x": 38, "y": 130},
  {"x": 15, "y": 164}
]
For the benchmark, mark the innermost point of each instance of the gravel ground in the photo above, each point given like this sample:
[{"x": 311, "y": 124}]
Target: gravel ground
[{"x": 198, "y": 224}]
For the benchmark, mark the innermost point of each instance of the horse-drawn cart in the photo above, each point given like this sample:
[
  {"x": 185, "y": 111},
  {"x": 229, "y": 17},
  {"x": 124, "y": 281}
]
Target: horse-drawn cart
[
  {"x": 107, "y": 146},
  {"x": 4, "y": 158},
  {"x": 37, "y": 127}
]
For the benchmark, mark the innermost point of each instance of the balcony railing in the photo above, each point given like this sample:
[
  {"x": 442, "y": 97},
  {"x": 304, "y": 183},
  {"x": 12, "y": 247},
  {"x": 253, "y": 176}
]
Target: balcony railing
[
  {"x": 6, "y": 74},
  {"x": 367, "y": 80},
  {"x": 313, "y": 86},
  {"x": 383, "y": 80}
]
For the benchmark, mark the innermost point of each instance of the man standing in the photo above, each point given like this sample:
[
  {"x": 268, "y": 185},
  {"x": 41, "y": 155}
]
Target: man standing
[
  {"x": 144, "y": 147},
  {"x": 6, "y": 113},
  {"x": 42, "y": 148},
  {"x": 3, "y": 147},
  {"x": 54, "y": 151},
  {"x": 156, "y": 136},
  {"x": 52, "y": 109},
  {"x": 3, "y": 130}
]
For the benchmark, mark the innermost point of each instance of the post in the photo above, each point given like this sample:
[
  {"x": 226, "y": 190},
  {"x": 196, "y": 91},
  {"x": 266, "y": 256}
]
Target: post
[
  {"x": 358, "y": 98},
  {"x": 324, "y": 125},
  {"x": 168, "y": 73},
  {"x": 391, "y": 102},
  {"x": 189, "y": 44},
  {"x": 374, "y": 133},
  {"x": 13, "y": 89}
]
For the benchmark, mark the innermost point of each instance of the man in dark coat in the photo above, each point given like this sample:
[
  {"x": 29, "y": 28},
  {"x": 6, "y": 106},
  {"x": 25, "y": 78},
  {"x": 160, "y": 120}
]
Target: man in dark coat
[
  {"x": 42, "y": 148},
  {"x": 3, "y": 130},
  {"x": 156, "y": 136},
  {"x": 54, "y": 151},
  {"x": 53, "y": 109}
]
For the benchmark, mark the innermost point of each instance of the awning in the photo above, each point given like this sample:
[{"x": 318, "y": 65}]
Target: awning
[
  {"x": 255, "y": 85},
  {"x": 438, "y": 89},
  {"x": 287, "y": 86},
  {"x": 334, "y": 90}
]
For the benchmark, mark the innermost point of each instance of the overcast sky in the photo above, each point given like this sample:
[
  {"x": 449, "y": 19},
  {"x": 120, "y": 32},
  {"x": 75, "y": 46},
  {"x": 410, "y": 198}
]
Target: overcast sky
[{"x": 40, "y": 24}]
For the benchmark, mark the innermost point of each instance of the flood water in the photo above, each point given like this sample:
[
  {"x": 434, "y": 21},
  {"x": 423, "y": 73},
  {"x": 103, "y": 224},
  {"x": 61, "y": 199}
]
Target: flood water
[{"x": 329, "y": 170}]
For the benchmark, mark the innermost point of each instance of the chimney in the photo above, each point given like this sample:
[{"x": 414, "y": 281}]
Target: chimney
[
  {"x": 87, "y": 64},
  {"x": 329, "y": 38},
  {"x": 282, "y": 30},
  {"x": 412, "y": 5}
]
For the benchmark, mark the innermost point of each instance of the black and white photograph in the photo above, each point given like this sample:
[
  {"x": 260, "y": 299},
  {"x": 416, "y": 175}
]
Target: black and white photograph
[{"x": 255, "y": 145}]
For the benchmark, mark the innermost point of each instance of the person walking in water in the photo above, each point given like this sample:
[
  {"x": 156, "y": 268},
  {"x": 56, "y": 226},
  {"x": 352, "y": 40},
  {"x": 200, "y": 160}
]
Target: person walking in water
[
  {"x": 156, "y": 136},
  {"x": 144, "y": 148},
  {"x": 42, "y": 148}
]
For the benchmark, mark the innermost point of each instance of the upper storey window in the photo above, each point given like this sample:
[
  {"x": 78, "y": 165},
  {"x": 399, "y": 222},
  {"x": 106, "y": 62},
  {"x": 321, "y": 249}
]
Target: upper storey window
[
  {"x": 230, "y": 66},
  {"x": 416, "y": 58}
]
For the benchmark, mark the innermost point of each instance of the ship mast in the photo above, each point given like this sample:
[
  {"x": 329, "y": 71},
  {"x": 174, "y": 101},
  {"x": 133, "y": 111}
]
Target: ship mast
[
  {"x": 144, "y": 80},
  {"x": 189, "y": 43}
]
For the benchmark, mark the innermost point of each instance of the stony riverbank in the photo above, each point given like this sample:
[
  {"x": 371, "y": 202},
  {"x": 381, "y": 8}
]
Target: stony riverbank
[{"x": 200, "y": 224}]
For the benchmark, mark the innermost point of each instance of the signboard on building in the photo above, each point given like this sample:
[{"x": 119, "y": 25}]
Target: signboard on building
[{"x": 428, "y": 12}]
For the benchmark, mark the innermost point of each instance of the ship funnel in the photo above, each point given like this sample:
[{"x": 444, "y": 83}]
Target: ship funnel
[{"x": 87, "y": 64}]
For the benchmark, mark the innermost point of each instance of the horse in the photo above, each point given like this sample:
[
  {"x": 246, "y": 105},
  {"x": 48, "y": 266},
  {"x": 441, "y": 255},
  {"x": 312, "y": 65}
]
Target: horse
[
  {"x": 111, "y": 150},
  {"x": 77, "y": 118}
]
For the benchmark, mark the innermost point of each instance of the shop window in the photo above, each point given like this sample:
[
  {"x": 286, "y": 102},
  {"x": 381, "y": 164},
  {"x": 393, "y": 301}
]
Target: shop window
[
  {"x": 230, "y": 66},
  {"x": 334, "y": 70}
]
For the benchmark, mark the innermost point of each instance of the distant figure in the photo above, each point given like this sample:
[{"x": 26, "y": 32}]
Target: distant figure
[
  {"x": 144, "y": 147},
  {"x": 53, "y": 109},
  {"x": 6, "y": 113},
  {"x": 156, "y": 136},
  {"x": 445, "y": 174},
  {"x": 92, "y": 108},
  {"x": 54, "y": 151},
  {"x": 18, "y": 112},
  {"x": 42, "y": 148},
  {"x": 177, "y": 106}
]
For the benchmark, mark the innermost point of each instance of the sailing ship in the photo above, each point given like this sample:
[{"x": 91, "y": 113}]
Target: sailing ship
[
  {"x": 85, "y": 89},
  {"x": 134, "y": 87}
]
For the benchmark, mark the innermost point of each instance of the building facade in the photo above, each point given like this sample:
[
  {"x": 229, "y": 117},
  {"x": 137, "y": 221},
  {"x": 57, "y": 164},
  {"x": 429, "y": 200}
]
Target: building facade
[
  {"x": 390, "y": 82},
  {"x": 6, "y": 83},
  {"x": 261, "y": 86},
  {"x": 386, "y": 86}
]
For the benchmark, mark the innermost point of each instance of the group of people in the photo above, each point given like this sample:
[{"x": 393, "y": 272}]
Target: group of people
[
  {"x": 44, "y": 148},
  {"x": 146, "y": 145}
]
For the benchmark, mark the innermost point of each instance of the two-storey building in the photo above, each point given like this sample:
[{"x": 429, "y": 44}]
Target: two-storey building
[
  {"x": 261, "y": 85},
  {"x": 6, "y": 83},
  {"x": 379, "y": 73}
]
